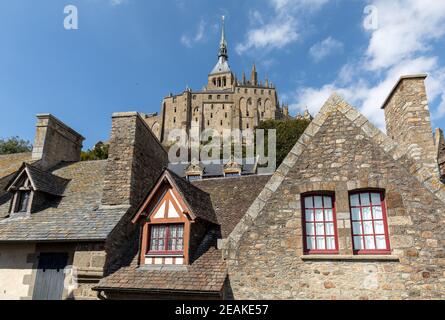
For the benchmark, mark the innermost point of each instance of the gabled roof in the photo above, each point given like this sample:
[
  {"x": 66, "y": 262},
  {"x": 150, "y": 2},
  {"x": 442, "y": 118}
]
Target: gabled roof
[
  {"x": 77, "y": 216},
  {"x": 334, "y": 104},
  {"x": 197, "y": 201},
  {"x": 231, "y": 197},
  {"x": 10, "y": 163},
  {"x": 42, "y": 181}
]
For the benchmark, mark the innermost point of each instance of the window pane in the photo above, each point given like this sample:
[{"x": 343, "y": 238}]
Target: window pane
[
  {"x": 320, "y": 229},
  {"x": 378, "y": 227},
  {"x": 364, "y": 199},
  {"x": 309, "y": 215},
  {"x": 328, "y": 216},
  {"x": 330, "y": 229},
  {"x": 330, "y": 243},
  {"x": 381, "y": 242},
  {"x": 367, "y": 226},
  {"x": 357, "y": 228},
  {"x": 308, "y": 202},
  {"x": 321, "y": 243},
  {"x": 354, "y": 200},
  {"x": 319, "y": 215},
  {"x": 366, "y": 212},
  {"x": 318, "y": 202},
  {"x": 377, "y": 212},
  {"x": 161, "y": 245},
  {"x": 310, "y": 229},
  {"x": 355, "y": 213},
  {"x": 310, "y": 242},
  {"x": 369, "y": 242},
  {"x": 375, "y": 198},
  {"x": 327, "y": 202},
  {"x": 358, "y": 243}
]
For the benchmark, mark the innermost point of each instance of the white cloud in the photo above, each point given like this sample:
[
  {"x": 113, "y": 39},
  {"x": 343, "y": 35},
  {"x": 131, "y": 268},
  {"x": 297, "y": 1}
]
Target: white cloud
[
  {"x": 324, "y": 48},
  {"x": 189, "y": 41},
  {"x": 273, "y": 35},
  {"x": 281, "y": 27},
  {"x": 405, "y": 28},
  {"x": 400, "y": 46},
  {"x": 117, "y": 2}
]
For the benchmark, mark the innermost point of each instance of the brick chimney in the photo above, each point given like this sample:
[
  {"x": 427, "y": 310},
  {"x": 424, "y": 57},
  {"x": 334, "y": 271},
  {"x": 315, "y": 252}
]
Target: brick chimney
[
  {"x": 55, "y": 142},
  {"x": 136, "y": 159},
  {"x": 408, "y": 120}
]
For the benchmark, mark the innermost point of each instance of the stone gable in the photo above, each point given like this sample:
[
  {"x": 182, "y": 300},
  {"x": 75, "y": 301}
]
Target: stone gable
[{"x": 342, "y": 152}]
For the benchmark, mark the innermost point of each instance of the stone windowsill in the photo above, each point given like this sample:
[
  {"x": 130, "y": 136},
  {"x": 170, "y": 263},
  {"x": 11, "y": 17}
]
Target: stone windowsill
[{"x": 336, "y": 257}]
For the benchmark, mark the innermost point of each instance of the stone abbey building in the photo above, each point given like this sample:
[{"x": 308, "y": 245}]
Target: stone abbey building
[{"x": 225, "y": 103}]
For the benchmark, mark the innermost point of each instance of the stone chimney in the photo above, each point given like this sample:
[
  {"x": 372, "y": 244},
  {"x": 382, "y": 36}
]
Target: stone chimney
[
  {"x": 408, "y": 120},
  {"x": 136, "y": 159},
  {"x": 55, "y": 142}
]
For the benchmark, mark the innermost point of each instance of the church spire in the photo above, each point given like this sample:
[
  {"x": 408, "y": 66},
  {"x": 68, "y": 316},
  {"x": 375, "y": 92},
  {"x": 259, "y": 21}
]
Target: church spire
[
  {"x": 254, "y": 76},
  {"x": 223, "y": 42}
]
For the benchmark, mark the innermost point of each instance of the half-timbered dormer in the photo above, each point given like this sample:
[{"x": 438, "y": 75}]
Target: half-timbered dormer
[
  {"x": 32, "y": 188},
  {"x": 174, "y": 219}
]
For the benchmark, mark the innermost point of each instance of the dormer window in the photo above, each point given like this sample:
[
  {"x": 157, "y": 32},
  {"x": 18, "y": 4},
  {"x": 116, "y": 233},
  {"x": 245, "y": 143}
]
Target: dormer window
[
  {"x": 32, "y": 187},
  {"x": 171, "y": 218}
]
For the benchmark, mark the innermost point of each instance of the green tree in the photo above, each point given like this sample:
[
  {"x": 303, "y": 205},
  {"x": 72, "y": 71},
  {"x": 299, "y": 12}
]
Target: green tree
[
  {"x": 14, "y": 145},
  {"x": 287, "y": 131},
  {"x": 99, "y": 152}
]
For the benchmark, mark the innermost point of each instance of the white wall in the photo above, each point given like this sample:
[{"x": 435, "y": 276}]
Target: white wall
[{"x": 13, "y": 269}]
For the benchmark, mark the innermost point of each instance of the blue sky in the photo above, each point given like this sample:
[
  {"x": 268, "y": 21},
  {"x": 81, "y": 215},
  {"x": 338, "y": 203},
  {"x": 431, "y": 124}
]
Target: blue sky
[{"x": 128, "y": 54}]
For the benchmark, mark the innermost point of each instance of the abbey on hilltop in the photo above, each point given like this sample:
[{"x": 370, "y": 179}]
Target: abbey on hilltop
[{"x": 225, "y": 103}]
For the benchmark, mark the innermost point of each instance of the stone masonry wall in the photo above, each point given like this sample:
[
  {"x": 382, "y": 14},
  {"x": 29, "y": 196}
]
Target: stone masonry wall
[
  {"x": 55, "y": 142},
  {"x": 241, "y": 108},
  {"x": 136, "y": 159},
  {"x": 268, "y": 260}
]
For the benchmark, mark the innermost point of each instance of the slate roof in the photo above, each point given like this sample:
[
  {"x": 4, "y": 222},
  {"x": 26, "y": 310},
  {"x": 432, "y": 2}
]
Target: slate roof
[
  {"x": 198, "y": 200},
  {"x": 10, "y": 163},
  {"x": 44, "y": 181},
  {"x": 231, "y": 197},
  {"x": 206, "y": 274},
  {"x": 77, "y": 216}
]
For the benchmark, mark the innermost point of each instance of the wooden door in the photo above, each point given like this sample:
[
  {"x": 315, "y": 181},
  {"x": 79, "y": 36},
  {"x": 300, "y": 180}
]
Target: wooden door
[{"x": 50, "y": 276}]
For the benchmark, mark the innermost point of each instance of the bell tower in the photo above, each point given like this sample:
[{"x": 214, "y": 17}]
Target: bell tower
[{"x": 221, "y": 77}]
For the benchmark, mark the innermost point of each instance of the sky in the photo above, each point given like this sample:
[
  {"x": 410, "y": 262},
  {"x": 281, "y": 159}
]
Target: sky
[{"x": 126, "y": 55}]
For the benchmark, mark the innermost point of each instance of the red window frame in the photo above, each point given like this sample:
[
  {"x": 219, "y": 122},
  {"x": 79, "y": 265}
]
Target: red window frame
[
  {"x": 361, "y": 220},
  {"x": 167, "y": 237},
  {"x": 314, "y": 222}
]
